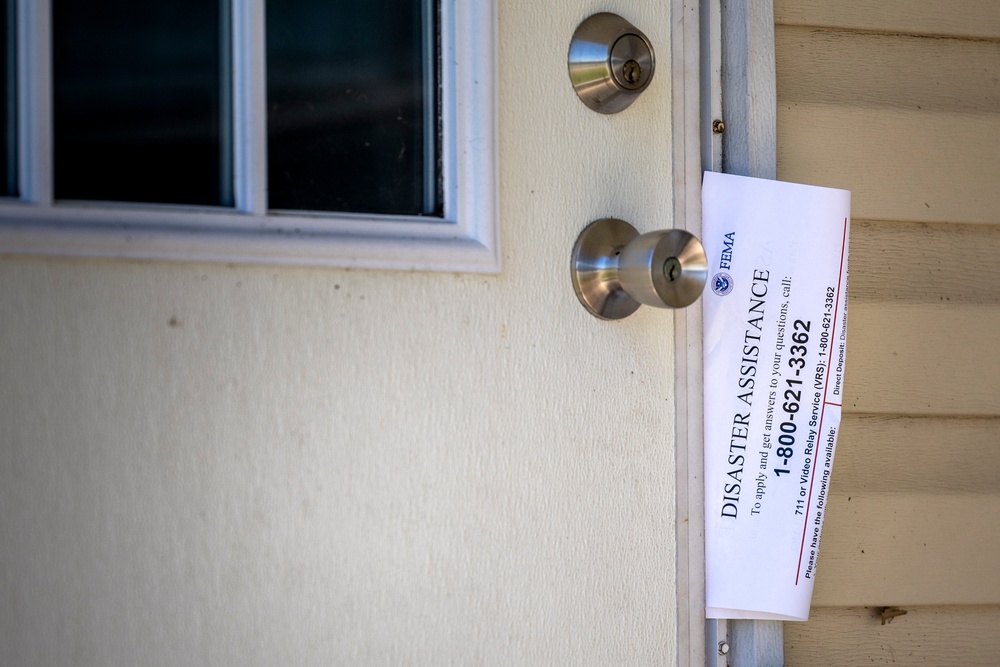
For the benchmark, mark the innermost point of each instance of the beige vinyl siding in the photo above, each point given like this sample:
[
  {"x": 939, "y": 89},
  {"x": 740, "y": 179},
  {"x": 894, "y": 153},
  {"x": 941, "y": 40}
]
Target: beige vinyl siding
[
  {"x": 977, "y": 19},
  {"x": 932, "y": 636},
  {"x": 899, "y": 102}
]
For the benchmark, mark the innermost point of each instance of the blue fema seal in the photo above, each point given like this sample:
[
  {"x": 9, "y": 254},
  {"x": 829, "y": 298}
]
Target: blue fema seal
[{"x": 722, "y": 284}]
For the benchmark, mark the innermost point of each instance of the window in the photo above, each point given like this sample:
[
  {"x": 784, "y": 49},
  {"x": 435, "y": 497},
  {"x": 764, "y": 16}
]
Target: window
[{"x": 308, "y": 131}]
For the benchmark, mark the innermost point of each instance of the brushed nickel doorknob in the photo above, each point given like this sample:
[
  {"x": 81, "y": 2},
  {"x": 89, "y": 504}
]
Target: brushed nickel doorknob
[{"x": 615, "y": 269}]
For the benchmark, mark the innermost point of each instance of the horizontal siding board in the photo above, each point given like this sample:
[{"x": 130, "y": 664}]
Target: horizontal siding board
[
  {"x": 911, "y": 359},
  {"x": 937, "y": 636},
  {"x": 924, "y": 262},
  {"x": 899, "y": 164},
  {"x": 864, "y": 69},
  {"x": 895, "y": 453},
  {"x": 977, "y": 19},
  {"x": 908, "y": 549}
]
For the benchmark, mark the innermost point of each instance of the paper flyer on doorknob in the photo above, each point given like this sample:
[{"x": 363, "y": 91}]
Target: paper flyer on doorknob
[{"x": 775, "y": 322}]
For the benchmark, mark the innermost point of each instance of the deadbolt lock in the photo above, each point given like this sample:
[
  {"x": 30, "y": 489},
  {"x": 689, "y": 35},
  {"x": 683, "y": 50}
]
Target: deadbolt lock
[{"x": 610, "y": 62}]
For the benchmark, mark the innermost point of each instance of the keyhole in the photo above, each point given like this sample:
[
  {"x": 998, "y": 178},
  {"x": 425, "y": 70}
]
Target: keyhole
[
  {"x": 672, "y": 269},
  {"x": 631, "y": 71}
]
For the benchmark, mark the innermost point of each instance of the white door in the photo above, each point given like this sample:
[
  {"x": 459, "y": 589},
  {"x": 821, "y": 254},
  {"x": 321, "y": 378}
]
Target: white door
[{"x": 232, "y": 464}]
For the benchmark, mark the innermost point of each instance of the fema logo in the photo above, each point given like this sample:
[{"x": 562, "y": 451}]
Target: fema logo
[{"x": 722, "y": 284}]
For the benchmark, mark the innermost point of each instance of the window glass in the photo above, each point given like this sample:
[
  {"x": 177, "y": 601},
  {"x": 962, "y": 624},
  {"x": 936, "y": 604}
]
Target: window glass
[
  {"x": 351, "y": 106},
  {"x": 8, "y": 120},
  {"x": 140, "y": 113}
]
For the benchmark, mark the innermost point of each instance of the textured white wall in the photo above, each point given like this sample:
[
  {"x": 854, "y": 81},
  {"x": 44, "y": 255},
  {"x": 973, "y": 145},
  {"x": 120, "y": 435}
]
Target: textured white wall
[{"x": 208, "y": 464}]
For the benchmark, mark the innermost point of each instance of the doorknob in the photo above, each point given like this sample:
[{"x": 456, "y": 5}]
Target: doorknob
[
  {"x": 610, "y": 62},
  {"x": 615, "y": 269}
]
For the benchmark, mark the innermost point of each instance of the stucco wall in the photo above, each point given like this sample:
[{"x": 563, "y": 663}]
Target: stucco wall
[{"x": 210, "y": 464}]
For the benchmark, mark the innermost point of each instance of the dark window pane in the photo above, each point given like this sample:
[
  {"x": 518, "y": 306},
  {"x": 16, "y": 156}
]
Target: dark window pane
[
  {"x": 138, "y": 101},
  {"x": 8, "y": 120},
  {"x": 351, "y": 106}
]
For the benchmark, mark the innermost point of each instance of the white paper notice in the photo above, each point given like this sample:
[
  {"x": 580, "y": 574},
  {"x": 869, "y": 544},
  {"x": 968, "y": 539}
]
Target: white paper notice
[{"x": 774, "y": 344}]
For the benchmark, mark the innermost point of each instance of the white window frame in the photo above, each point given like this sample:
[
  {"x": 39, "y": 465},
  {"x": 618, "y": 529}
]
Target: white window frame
[{"x": 466, "y": 239}]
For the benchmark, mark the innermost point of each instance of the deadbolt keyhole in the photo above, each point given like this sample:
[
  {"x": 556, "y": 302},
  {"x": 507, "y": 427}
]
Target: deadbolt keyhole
[
  {"x": 631, "y": 72},
  {"x": 631, "y": 62}
]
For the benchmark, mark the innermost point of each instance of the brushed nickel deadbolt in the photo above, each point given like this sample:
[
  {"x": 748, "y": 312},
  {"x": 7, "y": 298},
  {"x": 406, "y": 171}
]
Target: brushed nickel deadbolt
[
  {"x": 610, "y": 62},
  {"x": 615, "y": 269}
]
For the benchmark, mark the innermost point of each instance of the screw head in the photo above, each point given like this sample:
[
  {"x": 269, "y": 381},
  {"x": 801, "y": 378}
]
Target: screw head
[
  {"x": 723, "y": 648},
  {"x": 718, "y": 126}
]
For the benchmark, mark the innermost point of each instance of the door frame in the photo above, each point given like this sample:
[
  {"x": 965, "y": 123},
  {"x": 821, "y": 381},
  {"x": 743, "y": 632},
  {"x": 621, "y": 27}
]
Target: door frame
[
  {"x": 688, "y": 132},
  {"x": 724, "y": 69}
]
